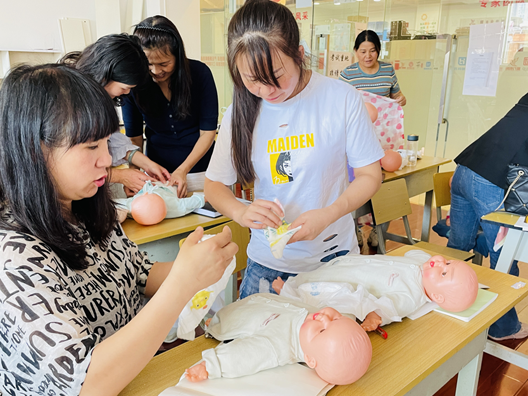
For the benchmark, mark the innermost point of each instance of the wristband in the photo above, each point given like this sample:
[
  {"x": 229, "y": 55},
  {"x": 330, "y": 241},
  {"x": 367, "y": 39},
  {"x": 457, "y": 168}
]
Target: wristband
[{"x": 131, "y": 155}]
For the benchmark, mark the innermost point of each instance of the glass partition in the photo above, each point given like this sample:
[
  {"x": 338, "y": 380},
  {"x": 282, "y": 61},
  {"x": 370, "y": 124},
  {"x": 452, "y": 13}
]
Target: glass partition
[{"x": 428, "y": 43}]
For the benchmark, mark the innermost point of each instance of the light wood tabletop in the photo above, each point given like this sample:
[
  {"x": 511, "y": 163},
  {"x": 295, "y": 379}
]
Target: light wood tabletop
[
  {"x": 504, "y": 218},
  {"x": 424, "y": 163},
  {"x": 410, "y": 354},
  {"x": 140, "y": 234}
]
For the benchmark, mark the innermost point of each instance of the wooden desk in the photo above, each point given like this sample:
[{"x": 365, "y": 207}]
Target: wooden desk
[
  {"x": 161, "y": 240},
  {"x": 418, "y": 357},
  {"x": 419, "y": 180},
  {"x": 516, "y": 243}
]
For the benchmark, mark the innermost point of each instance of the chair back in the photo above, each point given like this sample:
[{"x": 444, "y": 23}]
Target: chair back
[
  {"x": 391, "y": 202},
  {"x": 442, "y": 191},
  {"x": 240, "y": 235}
]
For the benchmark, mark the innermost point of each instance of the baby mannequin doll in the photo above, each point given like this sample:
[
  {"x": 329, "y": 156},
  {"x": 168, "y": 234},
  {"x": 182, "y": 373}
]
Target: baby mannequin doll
[
  {"x": 270, "y": 331},
  {"x": 383, "y": 289}
]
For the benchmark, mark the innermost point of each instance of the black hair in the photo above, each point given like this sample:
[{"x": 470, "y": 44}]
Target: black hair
[
  {"x": 43, "y": 108},
  {"x": 279, "y": 167},
  {"x": 115, "y": 57},
  {"x": 257, "y": 30},
  {"x": 159, "y": 33},
  {"x": 370, "y": 36}
]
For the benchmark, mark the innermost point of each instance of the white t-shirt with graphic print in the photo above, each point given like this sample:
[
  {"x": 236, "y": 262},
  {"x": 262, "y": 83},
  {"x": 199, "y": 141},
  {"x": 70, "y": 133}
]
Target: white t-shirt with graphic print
[{"x": 300, "y": 153}]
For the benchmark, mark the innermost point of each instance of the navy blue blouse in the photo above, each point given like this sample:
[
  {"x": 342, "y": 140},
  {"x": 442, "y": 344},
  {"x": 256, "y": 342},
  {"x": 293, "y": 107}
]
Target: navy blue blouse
[{"x": 169, "y": 139}]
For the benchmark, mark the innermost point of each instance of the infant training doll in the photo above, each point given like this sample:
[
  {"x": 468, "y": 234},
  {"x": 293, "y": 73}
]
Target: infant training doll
[{"x": 269, "y": 331}]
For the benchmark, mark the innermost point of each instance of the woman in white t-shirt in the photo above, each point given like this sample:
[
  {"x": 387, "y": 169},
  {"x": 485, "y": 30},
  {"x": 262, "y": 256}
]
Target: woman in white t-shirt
[{"x": 279, "y": 106}]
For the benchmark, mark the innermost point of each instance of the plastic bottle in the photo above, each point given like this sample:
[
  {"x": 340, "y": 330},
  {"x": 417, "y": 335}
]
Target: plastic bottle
[{"x": 412, "y": 149}]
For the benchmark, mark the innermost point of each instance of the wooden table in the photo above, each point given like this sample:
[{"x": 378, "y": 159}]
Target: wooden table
[
  {"x": 161, "y": 240},
  {"x": 418, "y": 357},
  {"x": 419, "y": 180}
]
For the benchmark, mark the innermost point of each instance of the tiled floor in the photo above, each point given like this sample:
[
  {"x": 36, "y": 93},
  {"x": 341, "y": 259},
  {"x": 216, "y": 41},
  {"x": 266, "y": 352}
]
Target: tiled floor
[{"x": 497, "y": 378}]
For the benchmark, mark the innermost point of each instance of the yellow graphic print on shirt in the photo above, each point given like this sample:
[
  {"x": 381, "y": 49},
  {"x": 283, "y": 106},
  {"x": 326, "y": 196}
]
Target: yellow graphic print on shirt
[{"x": 280, "y": 159}]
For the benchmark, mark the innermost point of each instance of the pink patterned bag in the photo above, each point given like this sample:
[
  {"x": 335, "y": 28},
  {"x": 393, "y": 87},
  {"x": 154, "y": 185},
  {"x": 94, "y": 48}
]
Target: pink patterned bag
[{"x": 389, "y": 123}]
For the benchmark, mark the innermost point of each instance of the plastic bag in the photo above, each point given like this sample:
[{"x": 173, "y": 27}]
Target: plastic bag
[{"x": 279, "y": 237}]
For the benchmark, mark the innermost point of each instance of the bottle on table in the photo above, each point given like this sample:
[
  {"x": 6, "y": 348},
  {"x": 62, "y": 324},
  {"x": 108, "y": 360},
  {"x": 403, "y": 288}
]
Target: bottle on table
[{"x": 412, "y": 149}]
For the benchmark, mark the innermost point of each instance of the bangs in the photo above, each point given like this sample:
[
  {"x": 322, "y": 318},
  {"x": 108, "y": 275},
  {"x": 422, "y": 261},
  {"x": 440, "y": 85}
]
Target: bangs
[{"x": 259, "y": 57}]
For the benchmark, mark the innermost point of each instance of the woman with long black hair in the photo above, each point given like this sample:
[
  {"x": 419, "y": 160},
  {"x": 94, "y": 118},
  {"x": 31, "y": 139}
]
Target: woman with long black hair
[
  {"x": 71, "y": 282},
  {"x": 179, "y": 106}
]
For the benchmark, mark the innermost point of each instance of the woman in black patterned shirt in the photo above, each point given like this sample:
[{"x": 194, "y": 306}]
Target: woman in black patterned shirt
[{"x": 71, "y": 282}]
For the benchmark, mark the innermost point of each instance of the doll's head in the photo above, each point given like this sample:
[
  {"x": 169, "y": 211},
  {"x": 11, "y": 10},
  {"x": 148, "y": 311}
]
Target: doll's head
[
  {"x": 452, "y": 284},
  {"x": 148, "y": 209},
  {"x": 335, "y": 346}
]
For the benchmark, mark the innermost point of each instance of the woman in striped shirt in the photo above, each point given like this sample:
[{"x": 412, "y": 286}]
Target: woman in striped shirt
[{"x": 368, "y": 74}]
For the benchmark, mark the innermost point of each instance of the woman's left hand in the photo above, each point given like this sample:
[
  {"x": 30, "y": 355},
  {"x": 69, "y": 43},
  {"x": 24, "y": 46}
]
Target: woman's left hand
[
  {"x": 313, "y": 222},
  {"x": 179, "y": 178}
]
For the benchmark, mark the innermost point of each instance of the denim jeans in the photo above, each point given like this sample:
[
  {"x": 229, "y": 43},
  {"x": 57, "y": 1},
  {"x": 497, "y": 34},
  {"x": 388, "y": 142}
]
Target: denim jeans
[
  {"x": 258, "y": 278},
  {"x": 472, "y": 197}
]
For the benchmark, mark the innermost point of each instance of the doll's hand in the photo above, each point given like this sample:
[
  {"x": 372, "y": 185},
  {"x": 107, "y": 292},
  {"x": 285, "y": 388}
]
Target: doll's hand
[
  {"x": 313, "y": 223},
  {"x": 260, "y": 214},
  {"x": 277, "y": 285},
  {"x": 371, "y": 322},
  {"x": 197, "y": 373},
  {"x": 179, "y": 178}
]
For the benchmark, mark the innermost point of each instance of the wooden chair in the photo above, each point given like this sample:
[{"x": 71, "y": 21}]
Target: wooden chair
[
  {"x": 392, "y": 202},
  {"x": 442, "y": 191},
  {"x": 240, "y": 235}
]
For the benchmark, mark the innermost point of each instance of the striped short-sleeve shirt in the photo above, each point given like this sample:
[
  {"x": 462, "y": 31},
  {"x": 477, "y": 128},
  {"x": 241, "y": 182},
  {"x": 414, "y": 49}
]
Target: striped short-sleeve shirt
[{"x": 383, "y": 82}]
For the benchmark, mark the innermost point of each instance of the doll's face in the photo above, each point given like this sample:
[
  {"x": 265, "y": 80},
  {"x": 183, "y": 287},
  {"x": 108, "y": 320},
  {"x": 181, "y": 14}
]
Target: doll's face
[
  {"x": 451, "y": 283},
  {"x": 335, "y": 346}
]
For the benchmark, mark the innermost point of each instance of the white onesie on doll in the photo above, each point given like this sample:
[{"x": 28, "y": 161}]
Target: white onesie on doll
[
  {"x": 357, "y": 284},
  {"x": 265, "y": 332},
  {"x": 176, "y": 207}
]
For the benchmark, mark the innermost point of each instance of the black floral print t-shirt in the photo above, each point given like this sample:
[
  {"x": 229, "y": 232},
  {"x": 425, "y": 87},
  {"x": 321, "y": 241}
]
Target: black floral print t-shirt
[{"x": 52, "y": 317}]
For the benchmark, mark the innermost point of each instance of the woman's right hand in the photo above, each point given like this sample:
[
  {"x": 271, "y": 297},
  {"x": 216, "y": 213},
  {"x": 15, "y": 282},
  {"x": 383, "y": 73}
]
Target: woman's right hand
[
  {"x": 200, "y": 265},
  {"x": 260, "y": 214}
]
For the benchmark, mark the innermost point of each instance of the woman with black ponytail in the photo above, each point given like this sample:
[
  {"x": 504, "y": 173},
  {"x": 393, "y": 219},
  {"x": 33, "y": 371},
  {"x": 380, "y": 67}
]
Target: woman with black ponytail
[
  {"x": 179, "y": 106},
  {"x": 280, "y": 106}
]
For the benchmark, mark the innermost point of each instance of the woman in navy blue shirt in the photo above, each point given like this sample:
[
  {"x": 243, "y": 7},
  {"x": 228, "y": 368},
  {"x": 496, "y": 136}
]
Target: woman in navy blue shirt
[{"x": 179, "y": 105}]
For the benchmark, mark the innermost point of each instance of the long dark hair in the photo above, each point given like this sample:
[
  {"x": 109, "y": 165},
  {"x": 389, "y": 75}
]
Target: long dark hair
[
  {"x": 115, "y": 57},
  {"x": 52, "y": 106},
  {"x": 258, "y": 29},
  {"x": 159, "y": 33},
  {"x": 370, "y": 36}
]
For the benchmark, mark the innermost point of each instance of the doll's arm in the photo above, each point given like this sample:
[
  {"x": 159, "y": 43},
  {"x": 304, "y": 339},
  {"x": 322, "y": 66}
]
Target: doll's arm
[
  {"x": 277, "y": 285},
  {"x": 197, "y": 373},
  {"x": 243, "y": 356},
  {"x": 371, "y": 322}
]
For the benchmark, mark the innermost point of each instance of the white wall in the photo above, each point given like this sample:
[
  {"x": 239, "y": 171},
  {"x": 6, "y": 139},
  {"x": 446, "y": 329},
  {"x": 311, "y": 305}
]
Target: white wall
[
  {"x": 186, "y": 16},
  {"x": 33, "y": 24}
]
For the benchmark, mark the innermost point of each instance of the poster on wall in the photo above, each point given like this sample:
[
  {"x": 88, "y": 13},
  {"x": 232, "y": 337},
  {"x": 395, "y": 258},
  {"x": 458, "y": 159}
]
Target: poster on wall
[
  {"x": 483, "y": 59},
  {"x": 342, "y": 37},
  {"x": 337, "y": 61}
]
